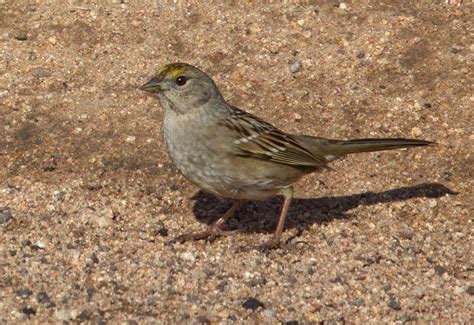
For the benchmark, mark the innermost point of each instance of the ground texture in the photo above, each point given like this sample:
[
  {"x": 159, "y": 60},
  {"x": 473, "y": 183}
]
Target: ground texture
[{"x": 89, "y": 197}]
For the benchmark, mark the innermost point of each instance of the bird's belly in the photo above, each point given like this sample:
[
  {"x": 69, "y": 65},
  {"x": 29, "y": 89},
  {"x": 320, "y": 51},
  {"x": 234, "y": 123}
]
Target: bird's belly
[
  {"x": 215, "y": 173},
  {"x": 215, "y": 170}
]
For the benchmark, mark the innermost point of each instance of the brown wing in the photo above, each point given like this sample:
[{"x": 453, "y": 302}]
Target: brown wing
[{"x": 261, "y": 140}]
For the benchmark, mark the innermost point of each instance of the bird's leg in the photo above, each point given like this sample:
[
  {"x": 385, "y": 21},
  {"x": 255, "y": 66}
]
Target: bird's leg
[
  {"x": 275, "y": 241},
  {"x": 214, "y": 230}
]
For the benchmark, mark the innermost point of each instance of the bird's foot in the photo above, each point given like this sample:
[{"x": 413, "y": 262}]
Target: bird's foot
[{"x": 210, "y": 234}]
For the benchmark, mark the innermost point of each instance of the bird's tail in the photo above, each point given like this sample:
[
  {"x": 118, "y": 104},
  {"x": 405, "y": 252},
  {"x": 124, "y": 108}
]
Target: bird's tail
[
  {"x": 330, "y": 150},
  {"x": 368, "y": 145}
]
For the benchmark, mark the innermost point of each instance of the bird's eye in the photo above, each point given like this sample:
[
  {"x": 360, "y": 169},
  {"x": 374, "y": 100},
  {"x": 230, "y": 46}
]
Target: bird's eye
[{"x": 181, "y": 80}]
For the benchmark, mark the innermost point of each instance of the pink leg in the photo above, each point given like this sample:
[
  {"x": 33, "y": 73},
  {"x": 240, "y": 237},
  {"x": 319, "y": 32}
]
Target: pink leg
[
  {"x": 214, "y": 230},
  {"x": 275, "y": 241}
]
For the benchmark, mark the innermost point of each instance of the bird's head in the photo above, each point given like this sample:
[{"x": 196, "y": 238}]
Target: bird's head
[{"x": 181, "y": 87}]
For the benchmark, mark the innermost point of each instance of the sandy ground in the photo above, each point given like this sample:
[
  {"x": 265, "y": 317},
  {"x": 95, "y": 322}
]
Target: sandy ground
[{"x": 89, "y": 197}]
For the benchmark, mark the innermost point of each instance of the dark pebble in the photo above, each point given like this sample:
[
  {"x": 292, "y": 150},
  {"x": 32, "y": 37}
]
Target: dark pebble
[
  {"x": 439, "y": 270},
  {"x": 13, "y": 252},
  {"x": 360, "y": 55},
  {"x": 26, "y": 242},
  {"x": 84, "y": 316},
  {"x": 132, "y": 322},
  {"x": 5, "y": 216},
  {"x": 163, "y": 232},
  {"x": 392, "y": 303},
  {"x": 90, "y": 291},
  {"x": 24, "y": 292},
  {"x": 470, "y": 290},
  {"x": 359, "y": 302},
  {"x": 43, "y": 298},
  {"x": 292, "y": 322},
  {"x": 454, "y": 50},
  {"x": 28, "y": 311},
  {"x": 21, "y": 37},
  {"x": 427, "y": 105},
  {"x": 252, "y": 304},
  {"x": 94, "y": 258}
]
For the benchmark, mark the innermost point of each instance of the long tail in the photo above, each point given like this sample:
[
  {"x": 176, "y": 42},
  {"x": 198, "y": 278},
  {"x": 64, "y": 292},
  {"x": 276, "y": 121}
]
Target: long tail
[
  {"x": 329, "y": 150},
  {"x": 367, "y": 145}
]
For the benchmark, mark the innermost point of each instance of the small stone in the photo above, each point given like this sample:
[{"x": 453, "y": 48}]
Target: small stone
[
  {"x": 359, "y": 302},
  {"x": 427, "y": 105},
  {"x": 21, "y": 37},
  {"x": 470, "y": 290},
  {"x": 416, "y": 131},
  {"x": 392, "y": 303},
  {"x": 26, "y": 242},
  {"x": 40, "y": 244},
  {"x": 52, "y": 40},
  {"x": 295, "y": 66},
  {"x": 360, "y": 55},
  {"x": 188, "y": 256},
  {"x": 458, "y": 290},
  {"x": 5, "y": 216},
  {"x": 27, "y": 311},
  {"x": 454, "y": 50},
  {"x": 439, "y": 270},
  {"x": 43, "y": 298},
  {"x": 297, "y": 117},
  {"x": 40, "y": 72},
  {"x": 84, "y": 316},
  {"x": 252, "y": 304},
  {"x": 291, "y": 322},
  {"x": 63, "y": 314},
  {"x": 131, "y": 139},
  {"x": 24, "y": 292},
  {"x": 342, "y": 6}
]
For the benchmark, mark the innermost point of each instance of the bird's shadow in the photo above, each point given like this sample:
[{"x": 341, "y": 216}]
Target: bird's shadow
[{"x": 262, "y": 216}]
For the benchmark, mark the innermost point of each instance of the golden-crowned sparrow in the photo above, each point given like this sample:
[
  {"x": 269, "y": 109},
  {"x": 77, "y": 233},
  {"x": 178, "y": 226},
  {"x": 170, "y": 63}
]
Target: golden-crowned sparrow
[{"x": 234, "y": 154}]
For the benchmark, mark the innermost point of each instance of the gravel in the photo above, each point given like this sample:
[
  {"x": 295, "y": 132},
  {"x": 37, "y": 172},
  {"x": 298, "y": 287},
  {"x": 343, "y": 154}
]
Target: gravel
[{"x": 89, "y": 197}]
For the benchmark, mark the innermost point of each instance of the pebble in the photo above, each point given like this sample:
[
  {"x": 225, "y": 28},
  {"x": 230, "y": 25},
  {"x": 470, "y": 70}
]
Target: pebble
[
  {"x": 292, "y": 322},
  {"x": 439, "y": 270},
  {"x": 28, "y": 310},
  {"x": 188, "y": 256},
  {"x": 392, "y": 303},
  {"x": 470, "y": 290},
  {"x": 43, "y": 298},
  {"x": 131, "y": 139},
  {"x": 297, "y": 117},
  {"x": 24, "y": 292},
  {"x": 295, "y": 66},
  {"x": 252, "y": 304},
  {"x": 342, "y": 6},
  {"x": 359, "y": 302},
  {"x": 40, "y": 72},
  {"x": 52, "y": 40},
  {"x": 65, "y": 314},
  {"x": 416, "y": 131},
  {"x": 5, "y": 216},
  {"x": 21, "y": 37}
]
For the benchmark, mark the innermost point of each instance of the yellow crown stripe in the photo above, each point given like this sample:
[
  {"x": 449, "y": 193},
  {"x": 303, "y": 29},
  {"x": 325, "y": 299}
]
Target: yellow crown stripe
[{"x": 170, "y": 70}]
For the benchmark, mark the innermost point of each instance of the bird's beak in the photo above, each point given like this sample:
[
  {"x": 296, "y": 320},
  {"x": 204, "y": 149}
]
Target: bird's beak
[{"x": 152, "y": 86}]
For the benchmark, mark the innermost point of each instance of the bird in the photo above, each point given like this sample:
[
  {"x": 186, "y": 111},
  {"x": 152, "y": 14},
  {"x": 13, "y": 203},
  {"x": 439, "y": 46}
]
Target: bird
[{"x": 236, "y": 155}]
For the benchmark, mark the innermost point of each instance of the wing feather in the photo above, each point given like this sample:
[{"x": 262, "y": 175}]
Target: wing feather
[{"x": 261, "y": 140}]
